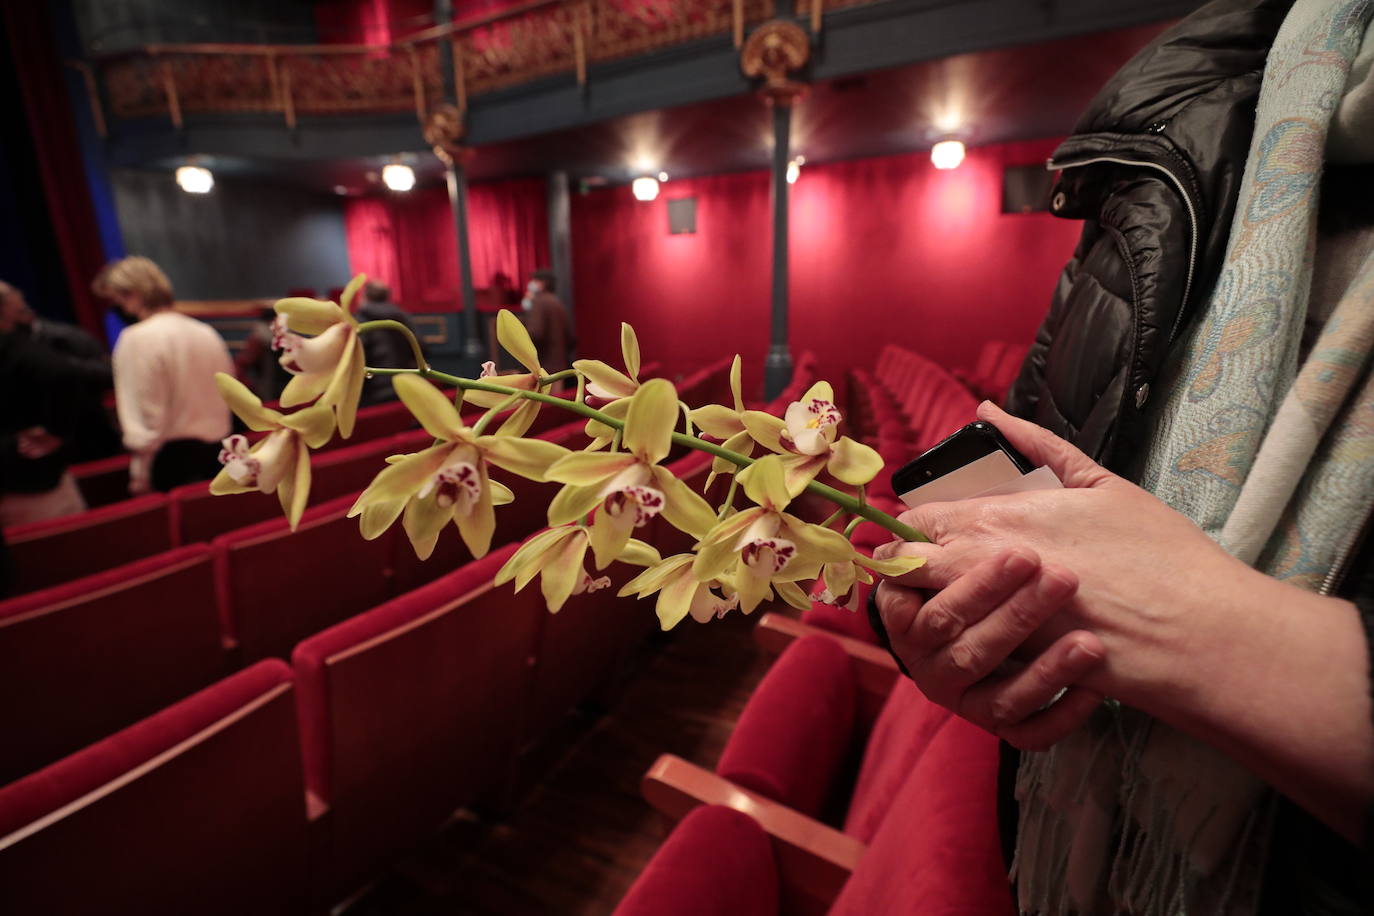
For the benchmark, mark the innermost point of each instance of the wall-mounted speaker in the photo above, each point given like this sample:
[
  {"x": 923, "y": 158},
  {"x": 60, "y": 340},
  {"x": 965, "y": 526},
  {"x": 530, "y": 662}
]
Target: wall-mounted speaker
[
  {"x": 682, "y": 216},
  {"x": 1026, "y": 188}
]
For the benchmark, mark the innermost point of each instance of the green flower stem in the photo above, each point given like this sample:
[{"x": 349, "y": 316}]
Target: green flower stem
[
  {"x": 397, "y": 326},
  {"x": 686, "y": 418},
  {"x": 730, "y": 498},
  {"x": 832, "y": 519},
  {"x": 480, "y": 426},
  {"x": 849, "y": 529},
  {"x": 558, "y": 377},
  {"x": 843, "y": 500}
]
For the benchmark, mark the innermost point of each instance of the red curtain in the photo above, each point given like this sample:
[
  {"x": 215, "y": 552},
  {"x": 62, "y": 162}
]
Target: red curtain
[
  {"x": 370, "y": 22},
  {"x": 883, "y": 250},
  {"x": 61, "y": 170},
  {"x": 408, "y": 240}
]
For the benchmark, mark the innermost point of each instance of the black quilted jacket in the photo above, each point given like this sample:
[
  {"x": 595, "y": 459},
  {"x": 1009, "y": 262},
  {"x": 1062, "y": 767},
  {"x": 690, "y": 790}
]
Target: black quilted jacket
[{"x": 1153, "y": 168}]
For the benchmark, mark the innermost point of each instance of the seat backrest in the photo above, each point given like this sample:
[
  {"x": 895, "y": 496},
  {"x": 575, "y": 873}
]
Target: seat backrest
[
  {"x": 376, "y": 422},
  {"x": 103, "y": 482},
  {"x": 900, "y": 738},
  {"x": 197, "y": 809},
  {"x": 82, "y": 660},
  {"x": 198, "y": 516},
  {"x": 350, "y": 469},
  {"x": 937, "y": 853},
  {"x": 277, "y": 587},
  {"x": 62, "y": 549},
  {"x": 413, "y": 709}
]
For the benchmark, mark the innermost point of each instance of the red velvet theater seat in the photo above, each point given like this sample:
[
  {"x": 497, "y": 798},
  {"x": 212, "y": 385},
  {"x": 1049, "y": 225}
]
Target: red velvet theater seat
[
  {"x": 278, "y": 587},
  {"x": 716, "y": 862},
  {"x": 376, "y": 422},
  {"x": 103, "y": 482},
  {"x": 81, "y": 660},
  {"x": 413, "y": 709},
  {"x": 936, "y": 854},
  {"x": 197, "y": 809},
  {"x": 52, "y": 552}
]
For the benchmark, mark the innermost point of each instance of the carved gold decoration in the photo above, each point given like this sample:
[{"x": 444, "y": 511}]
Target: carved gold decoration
[
  {"x": 532, "y": 41},
  {"x": 773, "y": 51},
  {"x": 444, "y": 131}
]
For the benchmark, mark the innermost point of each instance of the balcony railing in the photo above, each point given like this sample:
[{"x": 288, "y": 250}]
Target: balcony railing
[{"x": 534, "y": 40}]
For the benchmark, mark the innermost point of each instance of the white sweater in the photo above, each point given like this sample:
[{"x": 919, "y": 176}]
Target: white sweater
[{"x": 164, "y": 378}]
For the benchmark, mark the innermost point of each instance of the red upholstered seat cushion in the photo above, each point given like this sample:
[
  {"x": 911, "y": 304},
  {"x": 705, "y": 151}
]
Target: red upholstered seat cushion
[
  {"x": 797, "y": 727},
  {"x": 197, "y": 809},
  {"x": 104, "y": 481},
  {"x": 899, "y": 739},
  {"x": 716, "y": 861},
  {"x": 412, "y": 710},
  {"x": 49, "y": 553},
  {"x": 842, "y": 620},
  {"x": 937, "y": 852},
  {"x": 82, "y": 660}
]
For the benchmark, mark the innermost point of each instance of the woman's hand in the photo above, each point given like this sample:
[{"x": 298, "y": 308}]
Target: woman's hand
[{"x": 956, "y": 647}]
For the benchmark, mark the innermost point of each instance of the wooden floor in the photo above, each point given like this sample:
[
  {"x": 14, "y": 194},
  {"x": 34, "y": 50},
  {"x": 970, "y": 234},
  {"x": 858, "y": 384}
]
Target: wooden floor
[{"x": 574, "y": 841}]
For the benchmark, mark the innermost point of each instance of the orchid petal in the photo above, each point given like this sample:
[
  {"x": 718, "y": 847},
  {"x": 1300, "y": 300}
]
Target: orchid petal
[
  {"x": 479, "y": 524},
  {"x": 294, "y": 490},
  {"x": 351, "y": 375},
  {"x": 616, "y": 410},
  {"x": 245, "y": 404},
  {"x": 799, "y": 470},
  {"x": 315, "y": 424},
  {"x": 793, "y": 595},
  {"x": 430, "y": 406},
  {"x": 523, "y": 382},
  {"x": 588, "y": 468},
  {"x": 530, "y": 458},
  {"x": 765, "y": 429},
  {"x": 752, "y": 588},
  {"x": 276, "y": 456},
  {"x": 892, "y": 566},
  {"x": 765, "y": 483},
  {"x": 821, "y": 391},
  {"x": 309, "y": 316},
  {"x": 516, "y": 339},
  {"x": 816, "y": 544},
  {"x": 717, "y": 421},
  {"x": 735, "y": 386},
  {"x": 650, "y": 421},
  {"x": 629, "y": 349},
  {"x": 839, "y": 578},
  {"x": 350, "y": 291},
  {"x": 562, "y": 572},
  {"x": 520, "y": 419},
  {"x": 378, "y": 516},
  {"x": 684, "y": 509},
  {"x": 404, "y": 478},
  {"x": 572, "y": 502},
  {"x": 605, "y": 381},
  {"x": 423, "y": 520},
  {"x": 675, "y": 599},
  {"x": 609, "y": 535},
  {"x": 524, "y": 564},
  {"x": 302, "y": 389},
  {"x": 717, "y": 550},
  {"x": 652, "y": 579},
  {"x": 224, "y": 485},
  {"x": 638, "y": 553},
  {"x": 853, "y": 462},
  {"x": 501, "y": 495}
]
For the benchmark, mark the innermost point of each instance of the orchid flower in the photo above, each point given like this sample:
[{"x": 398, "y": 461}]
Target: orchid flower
[
  {"x": 766, "y": 547},
  {"x": 328, "y": 365},
  {"x": 805, "y": 437},
  {"x": 629, "y": 488},
  {"x": 839, "y": 577},
  {"x": 448, "y": 481},
  {"x": 679, "y": 592},
  {"x": 608, "y": 383},
  {"x": 513, "y": 336},
  {"x": 720, "y": 422},
  {"x": 557, "y": 556},
  {"x": 278, "y": 463}
]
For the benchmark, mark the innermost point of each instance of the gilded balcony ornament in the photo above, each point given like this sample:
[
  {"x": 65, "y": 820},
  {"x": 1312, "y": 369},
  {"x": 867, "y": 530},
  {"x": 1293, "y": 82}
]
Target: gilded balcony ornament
[
  {"x": 773, "y": 51},
  {"x": 444, "y": 132}
]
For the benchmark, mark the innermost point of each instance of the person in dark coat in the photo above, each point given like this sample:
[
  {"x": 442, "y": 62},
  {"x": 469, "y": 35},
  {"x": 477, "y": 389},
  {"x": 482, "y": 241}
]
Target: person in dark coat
[{"x": 383, "y": 348}]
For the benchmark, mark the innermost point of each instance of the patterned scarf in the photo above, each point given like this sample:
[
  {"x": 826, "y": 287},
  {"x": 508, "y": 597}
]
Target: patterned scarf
[{"x": 1272, "y": 455}]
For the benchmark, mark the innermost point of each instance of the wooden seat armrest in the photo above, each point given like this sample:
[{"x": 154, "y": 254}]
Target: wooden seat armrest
[
  {"x": 814, "y": 860},
  {"x": 874, "y": 669}
]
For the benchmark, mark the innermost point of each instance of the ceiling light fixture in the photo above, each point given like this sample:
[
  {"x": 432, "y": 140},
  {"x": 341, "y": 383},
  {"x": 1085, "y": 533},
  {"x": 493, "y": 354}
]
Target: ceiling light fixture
[
  {"x": 662, "y": 176},
  {"x": 947, "y": 154},
  {"x": 398, "y": 177},
  {"x": 794, "y": 169},
  {"x": 645, "y": 188},
  {"x": 194, "y": 179}
]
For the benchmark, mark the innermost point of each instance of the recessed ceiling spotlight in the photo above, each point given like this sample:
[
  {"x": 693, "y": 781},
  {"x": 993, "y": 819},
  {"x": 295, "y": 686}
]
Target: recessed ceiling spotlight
[
  {"x": 340, "y": 190},
  {"x": 398, "y": 177},
  {"x": 947, "y": 154},
  {"x": 662, "y": 176},
  {"x": 645, "y": 188},
  {"x": 194, "y": 179}
]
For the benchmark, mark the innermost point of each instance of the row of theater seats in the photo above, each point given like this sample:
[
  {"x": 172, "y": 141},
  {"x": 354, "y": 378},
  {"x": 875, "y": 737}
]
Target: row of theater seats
[
  {"x": 999, "y": 362},
  {"x": 413, "y": 700},
  {"x": 842, "y": 789}
]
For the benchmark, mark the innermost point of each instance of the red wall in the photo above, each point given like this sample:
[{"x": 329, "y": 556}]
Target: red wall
[{"x": 882, "y": 250}]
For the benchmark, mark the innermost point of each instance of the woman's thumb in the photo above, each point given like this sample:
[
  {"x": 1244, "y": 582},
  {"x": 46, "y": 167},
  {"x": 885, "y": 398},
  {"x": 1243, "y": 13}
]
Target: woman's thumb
[{"x": 1043, "y": 447}]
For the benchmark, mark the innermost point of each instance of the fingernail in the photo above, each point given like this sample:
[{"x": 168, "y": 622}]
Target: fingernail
[
  {"x": 1081, "y": 655},
  {"x": 1052, "y": 586},
  {"x": 1018, "y": 564}
]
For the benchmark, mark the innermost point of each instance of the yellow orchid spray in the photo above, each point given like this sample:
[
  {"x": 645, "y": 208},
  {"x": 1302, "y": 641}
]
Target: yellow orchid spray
[{"x": 611, "y": 489}]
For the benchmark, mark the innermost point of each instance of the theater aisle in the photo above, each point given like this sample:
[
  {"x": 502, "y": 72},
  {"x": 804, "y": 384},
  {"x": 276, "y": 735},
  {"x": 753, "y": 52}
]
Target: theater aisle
[{"x": 574, "y": 842}]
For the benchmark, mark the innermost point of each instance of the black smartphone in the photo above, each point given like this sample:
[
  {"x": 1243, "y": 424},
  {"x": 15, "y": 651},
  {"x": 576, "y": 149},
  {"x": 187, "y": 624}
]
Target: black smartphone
[{"x": 972, "y": 460}]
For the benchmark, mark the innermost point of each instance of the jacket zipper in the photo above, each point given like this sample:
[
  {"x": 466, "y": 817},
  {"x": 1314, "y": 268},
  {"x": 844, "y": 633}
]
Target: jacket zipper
[
  {"x": 1192, "y": 221},
  {"x": 1341, "y": 560}
]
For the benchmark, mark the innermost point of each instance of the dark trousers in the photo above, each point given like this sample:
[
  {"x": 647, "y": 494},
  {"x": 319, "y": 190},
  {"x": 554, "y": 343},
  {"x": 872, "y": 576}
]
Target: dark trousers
[{"x": 184, "y": 461}]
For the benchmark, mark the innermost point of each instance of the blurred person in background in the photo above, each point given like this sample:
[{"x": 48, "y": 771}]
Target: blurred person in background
[
  {"x": 547, "y": 320},
  {"x": 257, "y": 365},
  {"x": 169, "y": 408},
  {"x": 383, "y": 349}
]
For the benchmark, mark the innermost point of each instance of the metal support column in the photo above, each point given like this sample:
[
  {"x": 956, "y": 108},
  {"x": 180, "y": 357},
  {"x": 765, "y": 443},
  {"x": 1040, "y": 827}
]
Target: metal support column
[{"x": 777, "y": 367}]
